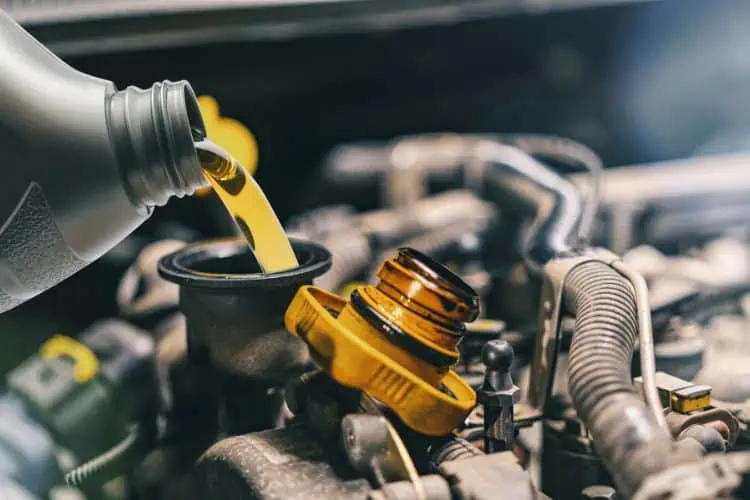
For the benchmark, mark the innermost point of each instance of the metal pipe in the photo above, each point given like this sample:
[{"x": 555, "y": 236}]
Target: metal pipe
[{"x": 646, "y": 336}]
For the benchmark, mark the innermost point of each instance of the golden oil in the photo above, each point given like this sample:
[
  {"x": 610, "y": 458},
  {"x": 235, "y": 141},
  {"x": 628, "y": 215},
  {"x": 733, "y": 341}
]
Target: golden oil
[{"x": 248, "y": 206}]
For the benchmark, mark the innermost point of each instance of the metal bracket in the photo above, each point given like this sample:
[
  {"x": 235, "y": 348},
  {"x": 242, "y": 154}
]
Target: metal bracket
[
  {"x": 375, "y": 449},
  {"x": 546, "y": 350}
]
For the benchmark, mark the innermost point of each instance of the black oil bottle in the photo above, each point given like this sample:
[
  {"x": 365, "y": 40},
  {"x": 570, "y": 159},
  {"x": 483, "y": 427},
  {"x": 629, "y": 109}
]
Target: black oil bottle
[{"x": 82, "y": 163}]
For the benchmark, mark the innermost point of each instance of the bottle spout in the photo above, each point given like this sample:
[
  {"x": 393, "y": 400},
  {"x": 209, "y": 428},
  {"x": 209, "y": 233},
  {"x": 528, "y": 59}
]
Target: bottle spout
[{"x": 155, "y": 131}]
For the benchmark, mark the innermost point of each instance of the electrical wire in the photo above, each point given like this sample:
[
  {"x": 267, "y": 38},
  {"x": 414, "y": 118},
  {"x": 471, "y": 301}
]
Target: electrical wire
[
  {"x": 646, "y": 336},
  {"x": 574, "y": 154},
  {"x": 115, "y": 457}
]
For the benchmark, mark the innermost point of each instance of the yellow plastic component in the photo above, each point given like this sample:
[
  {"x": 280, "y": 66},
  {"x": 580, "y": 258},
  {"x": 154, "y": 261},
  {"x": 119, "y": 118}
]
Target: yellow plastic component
[
  {"x": 687, "y": 405},
  {"x": 86, "y": 363},
  {"x": 356, "y": 356},
  {"x": 230, "y": 134}
]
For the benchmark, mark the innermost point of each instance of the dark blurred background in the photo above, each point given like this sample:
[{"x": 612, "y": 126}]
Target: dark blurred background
[{"x": 638, "y": 81}]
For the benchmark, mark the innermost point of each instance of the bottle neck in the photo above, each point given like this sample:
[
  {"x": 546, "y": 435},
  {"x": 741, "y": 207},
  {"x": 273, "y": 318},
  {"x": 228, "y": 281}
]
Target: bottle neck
[{"x": 154, "y": 131}]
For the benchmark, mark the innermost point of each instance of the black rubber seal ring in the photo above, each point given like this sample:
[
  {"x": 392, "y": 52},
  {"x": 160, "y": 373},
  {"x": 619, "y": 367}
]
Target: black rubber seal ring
[{"x": 397, "y": 335}]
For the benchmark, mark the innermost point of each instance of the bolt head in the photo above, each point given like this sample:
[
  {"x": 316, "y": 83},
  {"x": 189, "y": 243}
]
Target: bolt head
[
  {"x": 599, "y": 492},
  {"x": 499, "y": 399}
]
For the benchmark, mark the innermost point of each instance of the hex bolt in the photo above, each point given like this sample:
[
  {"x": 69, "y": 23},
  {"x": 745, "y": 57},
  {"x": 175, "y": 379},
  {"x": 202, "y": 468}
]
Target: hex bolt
[
  {"x": 498, "y": 395},
  {"x": 599, "y": 492}
]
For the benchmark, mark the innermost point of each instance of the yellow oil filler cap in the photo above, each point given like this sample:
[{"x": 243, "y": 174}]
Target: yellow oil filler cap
[{"x": 397, "y": 340}]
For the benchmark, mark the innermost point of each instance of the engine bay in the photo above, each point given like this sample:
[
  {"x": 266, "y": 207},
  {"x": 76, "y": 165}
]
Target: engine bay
[{"x": 471, "y": 311}]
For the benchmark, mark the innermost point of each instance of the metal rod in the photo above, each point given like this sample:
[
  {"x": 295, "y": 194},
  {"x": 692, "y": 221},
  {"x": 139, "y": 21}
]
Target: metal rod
[{"x": 646, "y": 336}]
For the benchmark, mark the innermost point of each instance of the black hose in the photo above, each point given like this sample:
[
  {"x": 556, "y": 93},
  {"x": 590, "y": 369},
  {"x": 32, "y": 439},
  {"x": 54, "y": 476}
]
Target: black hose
[
  {"x": 626, "y": 435},
  {"x": 515, "y": 180},
  {"x": 574, "y": 154}
]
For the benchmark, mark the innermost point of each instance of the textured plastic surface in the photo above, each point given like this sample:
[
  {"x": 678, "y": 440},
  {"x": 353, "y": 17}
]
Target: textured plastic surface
[
  {"x": 33, "y": 253},
  {"x": 70, "y": 162}
]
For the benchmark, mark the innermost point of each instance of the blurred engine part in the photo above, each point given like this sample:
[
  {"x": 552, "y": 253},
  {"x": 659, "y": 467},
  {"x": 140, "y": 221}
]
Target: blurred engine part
[
  {"x": 80, "y": 397},
  {"x": 643, "y": 203},
  {"x": 141, "y": 291},
  {"x": 299, "y": 465},
  {"x": 699, "y": 308},
  {"x": 434, "y": 225},
  {"x": 669, "y": 203},
  {"x": 446, "y": 156}
]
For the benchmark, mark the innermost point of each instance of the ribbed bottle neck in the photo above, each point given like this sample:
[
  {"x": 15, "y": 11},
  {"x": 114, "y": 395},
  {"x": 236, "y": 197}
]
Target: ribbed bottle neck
[{"x": 154, "y": 131}]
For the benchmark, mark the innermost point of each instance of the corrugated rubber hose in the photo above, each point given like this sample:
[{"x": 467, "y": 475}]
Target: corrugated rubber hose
[
  {"x": 455, "y": 448},
  {"x": 629, "y": 440}
]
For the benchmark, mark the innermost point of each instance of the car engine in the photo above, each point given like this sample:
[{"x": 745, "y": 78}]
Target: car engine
[{"x": 477, "y": 312}]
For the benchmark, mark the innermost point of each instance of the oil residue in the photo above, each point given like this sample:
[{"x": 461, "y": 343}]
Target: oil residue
[{"x": 249, "y": 207}]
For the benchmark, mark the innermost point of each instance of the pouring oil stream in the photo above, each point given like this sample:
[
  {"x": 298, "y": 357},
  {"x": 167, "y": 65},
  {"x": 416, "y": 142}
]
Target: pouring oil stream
[{"x": 248, "y": 206}]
